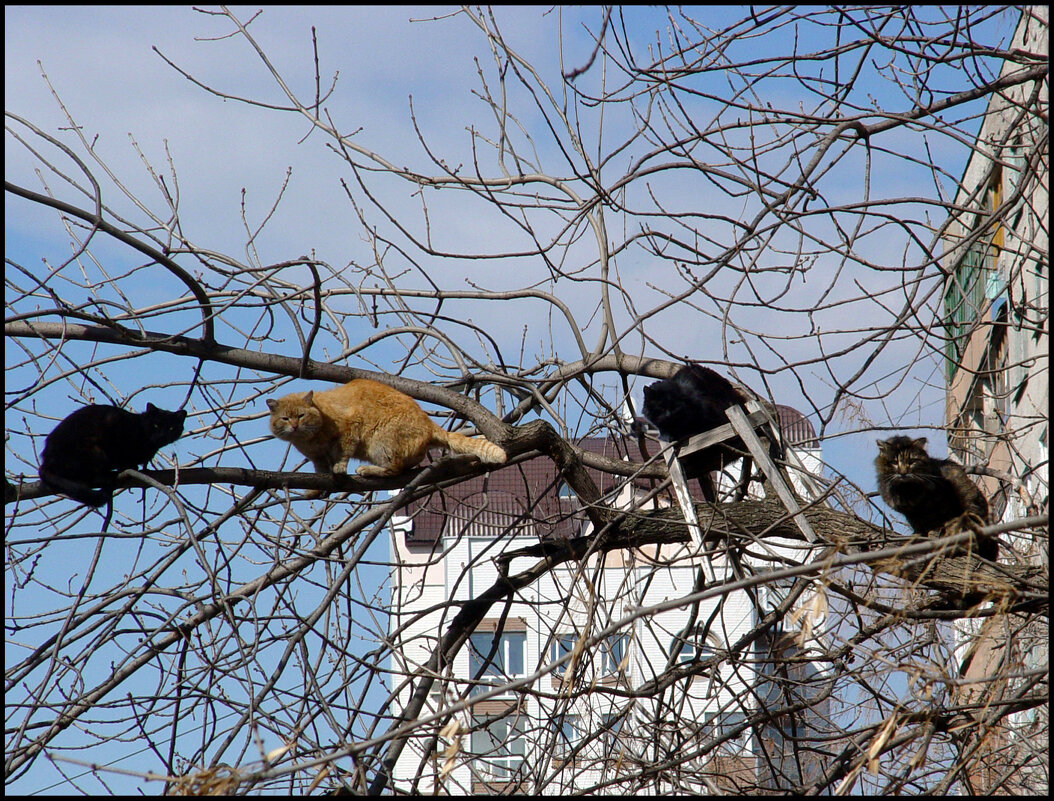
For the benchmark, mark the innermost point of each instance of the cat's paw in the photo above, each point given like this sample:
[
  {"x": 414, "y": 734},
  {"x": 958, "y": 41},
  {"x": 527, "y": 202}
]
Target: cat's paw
[
  {"x": 340, "y": 468},
  {"x": 373, "y": 470}
]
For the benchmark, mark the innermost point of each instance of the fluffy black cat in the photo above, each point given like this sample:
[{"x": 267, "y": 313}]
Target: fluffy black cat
[
  {"x": 929, "y": 492},
  {"x": 691, "y": 402},
  {"x": 86, "y": 451}
]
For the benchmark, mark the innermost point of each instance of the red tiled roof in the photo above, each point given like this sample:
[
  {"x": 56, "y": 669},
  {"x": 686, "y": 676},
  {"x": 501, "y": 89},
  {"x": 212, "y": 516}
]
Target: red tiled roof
[
  {"x": 530, "y": 497},
  {"x": 795, "y": 427}
]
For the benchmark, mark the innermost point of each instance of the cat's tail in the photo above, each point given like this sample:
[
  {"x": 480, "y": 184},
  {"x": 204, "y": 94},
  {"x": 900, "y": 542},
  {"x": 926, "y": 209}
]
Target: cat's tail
[
  {"x": 485, "y": 450},
  {"x": 74, "y": 489}
]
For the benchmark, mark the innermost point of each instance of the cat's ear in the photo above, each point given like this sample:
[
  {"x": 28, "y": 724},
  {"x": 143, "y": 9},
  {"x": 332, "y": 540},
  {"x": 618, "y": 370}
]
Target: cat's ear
[
  {"x": 151, "y": 408},
  {"x": 309, "y": 397},
  {"x": 920, "y": 443},
  {"x": 182, "y": 414},
  {"x": 272, "y": 404}
]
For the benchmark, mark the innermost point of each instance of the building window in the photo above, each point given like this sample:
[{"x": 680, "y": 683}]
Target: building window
[
  {"x": 567, "y": 734},
  {"x": 611, "y": 651},
  {"x": 564, "y": 492},
  {"x": 975, "y": 279},
  {"x": 563, "y": 644},
  {"x": 967, "y": 438},
  {"x": 997, "y": 386},
  {"x": 725, "y": 724},
  {"x": 609, "y": 735},
  {"x": 964, "y": 299},
  {"x": 498, "y": 746},
  {"x": 1016, "y": 159},
  {"x": 692, "y": 646},
  {"x": 508, "y": 660}
]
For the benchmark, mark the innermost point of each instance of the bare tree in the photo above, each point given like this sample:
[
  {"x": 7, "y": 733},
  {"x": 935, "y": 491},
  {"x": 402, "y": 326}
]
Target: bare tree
[{"x": 769, "y": 196}]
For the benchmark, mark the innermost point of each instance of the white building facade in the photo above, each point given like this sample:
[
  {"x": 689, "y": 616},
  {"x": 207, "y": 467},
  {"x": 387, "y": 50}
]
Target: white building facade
[{"x": 653, "y": 693}]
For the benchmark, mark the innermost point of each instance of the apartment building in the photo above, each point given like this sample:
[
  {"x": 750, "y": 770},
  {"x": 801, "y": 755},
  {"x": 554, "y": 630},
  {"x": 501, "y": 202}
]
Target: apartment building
[
  {"x": 997, "y": 296},
  {"x": 572, "y": 676},
  {"x": 996, "y": 310}
]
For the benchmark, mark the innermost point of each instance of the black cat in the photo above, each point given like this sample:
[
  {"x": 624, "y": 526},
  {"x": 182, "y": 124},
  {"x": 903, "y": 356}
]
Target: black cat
[
  {"x": 91, "y": 446},
  {"x": 691, "y": 402}
]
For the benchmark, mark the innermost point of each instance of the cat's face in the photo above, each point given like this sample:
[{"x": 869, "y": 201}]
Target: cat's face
[
  {"x": 665, "y": 406},
  {"x": 657, "y": 400},
  {"x": 294, "y": 417},
  {"x": 903, "y": 456},
  {"x": 162, "y": 426}
]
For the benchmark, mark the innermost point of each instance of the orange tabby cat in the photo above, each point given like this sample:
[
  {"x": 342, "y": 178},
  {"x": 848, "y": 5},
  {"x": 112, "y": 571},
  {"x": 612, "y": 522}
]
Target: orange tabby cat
[{"x": 366, "y": 420}]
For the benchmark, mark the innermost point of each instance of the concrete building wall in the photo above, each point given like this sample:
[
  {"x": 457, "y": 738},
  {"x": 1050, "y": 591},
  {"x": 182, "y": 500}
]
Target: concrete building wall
[
  {"x": 554, "y": 616},
  {"x": 997, "y": 306},
  {"x": 996, "y": 252}
]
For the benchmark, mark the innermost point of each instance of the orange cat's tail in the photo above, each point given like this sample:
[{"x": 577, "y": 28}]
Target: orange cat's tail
[{"x": 484, "y": 450}]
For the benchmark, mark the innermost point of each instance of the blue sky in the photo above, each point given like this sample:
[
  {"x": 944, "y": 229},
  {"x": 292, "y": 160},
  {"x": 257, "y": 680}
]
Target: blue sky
[
  {"x": 101, "y": 63},
  {"x": 221, "y": 147}
]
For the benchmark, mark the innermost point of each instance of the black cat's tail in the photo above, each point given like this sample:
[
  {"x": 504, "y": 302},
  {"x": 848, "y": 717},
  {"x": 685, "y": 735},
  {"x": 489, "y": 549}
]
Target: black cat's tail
[{"x": 74, "y": 489}]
